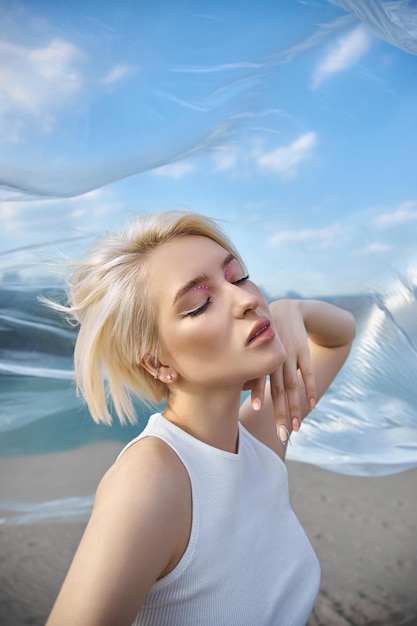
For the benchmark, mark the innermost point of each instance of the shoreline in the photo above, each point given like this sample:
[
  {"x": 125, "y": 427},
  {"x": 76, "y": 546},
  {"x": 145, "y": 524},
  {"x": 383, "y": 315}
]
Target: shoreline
[{"x": 363, "y": 530}]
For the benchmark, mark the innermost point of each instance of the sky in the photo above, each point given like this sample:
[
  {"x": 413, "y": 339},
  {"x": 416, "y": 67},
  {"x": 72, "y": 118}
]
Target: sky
[{"x": 292, "y": 122}]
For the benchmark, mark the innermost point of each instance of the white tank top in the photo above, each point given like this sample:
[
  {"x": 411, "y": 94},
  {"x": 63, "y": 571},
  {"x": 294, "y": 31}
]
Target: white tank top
[{"x": 248, "y": 561}]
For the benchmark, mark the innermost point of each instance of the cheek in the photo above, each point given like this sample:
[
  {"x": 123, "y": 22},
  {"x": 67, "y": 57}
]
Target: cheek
[
  {"x": 194, "y": 345},
  {"x": 201, "y": 338}
]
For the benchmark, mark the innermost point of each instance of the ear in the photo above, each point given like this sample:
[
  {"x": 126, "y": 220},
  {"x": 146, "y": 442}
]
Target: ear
[
  {"x": 150, "y": 363},
  {"x": 161, "y": 372}
]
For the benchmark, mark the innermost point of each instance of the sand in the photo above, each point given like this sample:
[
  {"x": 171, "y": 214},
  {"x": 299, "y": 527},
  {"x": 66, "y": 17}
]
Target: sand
[{"x": 364, "y": 531}]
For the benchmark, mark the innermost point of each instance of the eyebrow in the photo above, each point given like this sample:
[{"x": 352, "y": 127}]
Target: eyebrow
[{"x": 202, "y": 278}]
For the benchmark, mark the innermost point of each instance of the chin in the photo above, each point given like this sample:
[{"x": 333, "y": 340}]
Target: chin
[
  {"x": 272, "y": 364},
  {"x": 278, "y": 352}
]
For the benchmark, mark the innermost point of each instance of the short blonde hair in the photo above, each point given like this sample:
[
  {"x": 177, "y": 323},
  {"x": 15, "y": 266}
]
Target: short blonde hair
[{"x": 109, "y": 297}]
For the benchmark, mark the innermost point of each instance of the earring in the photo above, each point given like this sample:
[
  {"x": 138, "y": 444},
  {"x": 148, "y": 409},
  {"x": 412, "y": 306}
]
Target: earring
[
  {"x": 156, "y": 373},
  {"x": 169, "y": 377}
]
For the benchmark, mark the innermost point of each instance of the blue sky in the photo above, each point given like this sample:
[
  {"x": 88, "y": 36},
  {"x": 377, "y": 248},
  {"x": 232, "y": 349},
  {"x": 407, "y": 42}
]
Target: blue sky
[{"x": 292, "y": 121}]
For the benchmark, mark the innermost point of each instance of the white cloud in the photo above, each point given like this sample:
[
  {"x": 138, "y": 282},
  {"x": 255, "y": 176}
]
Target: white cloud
[
  {"x": 116, "y": 73},
  {"x": 225, "y": 159},
  {"x": 284, "y": 160},
  {"x": 35, "y": 83},
  {"x": 375, "y": 248},
  {"x": 25, "y": 221},
  {"x": 405, "y": 213},
  {"x": 174, "y": 170},
  {"x": 344, "y": 54},
  {"x": 38, "y": 236},
  {"x": 323, "y": 237}
]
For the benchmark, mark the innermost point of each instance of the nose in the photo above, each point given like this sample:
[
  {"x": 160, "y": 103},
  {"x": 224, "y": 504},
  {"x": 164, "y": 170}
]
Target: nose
[{"x": 243, "y": 300}]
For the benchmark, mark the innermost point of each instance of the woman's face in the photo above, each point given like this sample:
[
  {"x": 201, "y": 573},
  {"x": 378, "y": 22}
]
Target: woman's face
[{"x": 214, "y": 323}]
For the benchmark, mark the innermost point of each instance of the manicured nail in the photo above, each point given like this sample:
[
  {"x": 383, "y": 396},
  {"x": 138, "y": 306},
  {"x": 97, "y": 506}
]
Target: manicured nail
[
  {"x": 257, "y": 404},
  {"x": 312, "y": 403},
  {"x": 283, "y": 434},
  {"x": 296, "y": 423}
]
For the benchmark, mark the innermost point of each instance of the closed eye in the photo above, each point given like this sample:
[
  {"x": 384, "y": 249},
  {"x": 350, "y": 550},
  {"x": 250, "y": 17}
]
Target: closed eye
[
  {"x": 196, "y": 311},
  {"x": 240, "y": 280}
]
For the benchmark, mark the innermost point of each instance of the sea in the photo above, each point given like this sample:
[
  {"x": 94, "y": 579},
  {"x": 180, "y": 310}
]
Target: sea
[{"x": 366, "y": 424}]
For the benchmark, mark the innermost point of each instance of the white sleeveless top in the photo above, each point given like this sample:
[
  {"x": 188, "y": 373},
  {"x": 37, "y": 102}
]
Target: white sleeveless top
[{"x": 248, "y": 561}]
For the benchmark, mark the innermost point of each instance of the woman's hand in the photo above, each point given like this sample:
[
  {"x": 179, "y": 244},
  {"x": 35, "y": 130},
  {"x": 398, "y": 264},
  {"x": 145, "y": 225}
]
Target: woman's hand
[
  {"x": 286, "y": 392},
  {"x": 317, "y": 337}
]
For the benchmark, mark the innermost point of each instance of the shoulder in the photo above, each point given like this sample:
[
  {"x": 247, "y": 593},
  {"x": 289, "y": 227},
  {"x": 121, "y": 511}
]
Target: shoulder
[
  {"x": 147, "y": 470},
  {"x": 145, "y": 502},
  {"x": 137, "y": 533}
]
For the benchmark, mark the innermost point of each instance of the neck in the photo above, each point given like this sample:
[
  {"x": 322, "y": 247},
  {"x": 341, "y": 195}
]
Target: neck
[{"x": 212, "y": 419}]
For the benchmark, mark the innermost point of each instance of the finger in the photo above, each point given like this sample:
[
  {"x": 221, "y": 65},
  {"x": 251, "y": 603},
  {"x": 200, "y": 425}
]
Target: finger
[
  {"x": 292, "y": 389},
  {"x": 258, "y": 393},
  {"x": 307, "y": 374},
  {"x": 278, "y": 397}
]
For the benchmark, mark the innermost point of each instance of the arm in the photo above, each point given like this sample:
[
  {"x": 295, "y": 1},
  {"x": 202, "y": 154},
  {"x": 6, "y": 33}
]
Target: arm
[
  {"x": 317, "y": 337},
  {"x": 142, "y": 507}
]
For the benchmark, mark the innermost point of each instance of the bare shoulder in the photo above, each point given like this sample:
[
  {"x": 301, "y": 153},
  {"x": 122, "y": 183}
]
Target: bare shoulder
[
  {"x": 148, "y": 464},
  {"x": 149, "y": 486},
  {"x": 137, "y": 533}
]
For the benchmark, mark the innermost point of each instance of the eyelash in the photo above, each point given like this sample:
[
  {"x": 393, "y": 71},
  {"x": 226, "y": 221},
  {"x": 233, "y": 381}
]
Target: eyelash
[
  {"x": 205, "y": 304},
  {"x": 199, "y": 309},
  {"x": 240, "y": 280}
]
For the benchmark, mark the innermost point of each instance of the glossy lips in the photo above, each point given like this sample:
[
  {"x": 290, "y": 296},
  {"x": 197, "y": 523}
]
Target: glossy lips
[{"x": 261, "y": 326}]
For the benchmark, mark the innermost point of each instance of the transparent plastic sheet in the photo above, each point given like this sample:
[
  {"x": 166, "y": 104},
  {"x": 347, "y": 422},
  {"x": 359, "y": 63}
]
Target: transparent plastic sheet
[
  {"x": 366, "y": 424},
  {"x": 76, "y": 508},
  {"x": 162, "y": 108},
  {"x": 395, "y": 22},
  {"x": 186, "y": 99},
  {"x": 93, "y": 95}
]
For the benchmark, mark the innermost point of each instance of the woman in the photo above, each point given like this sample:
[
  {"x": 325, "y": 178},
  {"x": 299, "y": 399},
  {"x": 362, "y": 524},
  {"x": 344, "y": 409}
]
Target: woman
[{"x": 192, "y": 524}]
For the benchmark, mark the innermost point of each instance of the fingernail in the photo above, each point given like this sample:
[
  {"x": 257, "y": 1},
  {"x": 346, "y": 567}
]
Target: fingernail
[
  {"x": 283, "y": 434},
  {"x": 296, "y": 423},
  {"x": 257, "y": 404},
  {"x": 312, "y": 403}
]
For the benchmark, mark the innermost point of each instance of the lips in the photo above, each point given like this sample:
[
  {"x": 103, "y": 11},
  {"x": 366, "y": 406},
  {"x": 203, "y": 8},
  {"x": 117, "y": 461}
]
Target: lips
[{"x": 261, "y": 326}]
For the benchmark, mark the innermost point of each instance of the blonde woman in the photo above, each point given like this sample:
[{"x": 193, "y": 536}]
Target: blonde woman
[{"x": 192, "y": 525}]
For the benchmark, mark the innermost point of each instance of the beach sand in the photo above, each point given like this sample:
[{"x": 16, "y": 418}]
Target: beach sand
[{"x": 364, "y": 531}]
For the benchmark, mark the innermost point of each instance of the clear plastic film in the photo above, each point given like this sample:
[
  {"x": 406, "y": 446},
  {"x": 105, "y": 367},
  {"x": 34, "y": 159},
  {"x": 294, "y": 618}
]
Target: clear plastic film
[
  {"x": 366, "y": 424},
  {"x": 292, "y": 121},
  {"x": 93, "y": 95}
]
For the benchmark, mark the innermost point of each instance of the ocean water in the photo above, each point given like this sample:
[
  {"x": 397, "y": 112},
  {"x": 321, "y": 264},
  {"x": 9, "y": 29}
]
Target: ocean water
[
  {"x": 39, "y": 408},
  {"x": 365, "y": 425}
]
